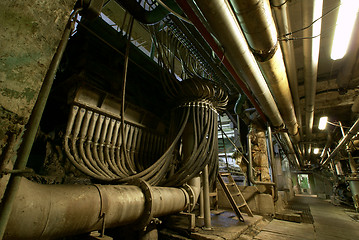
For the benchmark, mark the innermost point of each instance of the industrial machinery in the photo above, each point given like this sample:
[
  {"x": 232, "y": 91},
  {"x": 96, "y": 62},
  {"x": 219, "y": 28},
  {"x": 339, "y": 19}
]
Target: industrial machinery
[{"x": 130, "y": 130}]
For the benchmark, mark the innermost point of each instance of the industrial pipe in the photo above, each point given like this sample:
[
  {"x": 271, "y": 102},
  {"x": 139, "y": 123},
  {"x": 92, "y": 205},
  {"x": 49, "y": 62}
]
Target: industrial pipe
[
  {"x": 32, "y": 127},
  {"x": 281, "y": 14},
  {"x": 219, "y": 52},
  {"x": 343, "y": 141},
  {"x": 271, "y": 157},
  {"x": 49, "y": 211},
  {"x": 225, "y": 27},
  {"x": 311, "y": 57},
  {"x": 206, "y": 203},
  {"x": 250, "y": 172},
  {"x": 258, "y": 27}
]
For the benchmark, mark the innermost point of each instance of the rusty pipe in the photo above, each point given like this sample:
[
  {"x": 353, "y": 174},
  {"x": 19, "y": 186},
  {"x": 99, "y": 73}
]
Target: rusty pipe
[
  {"x": 49, "y": 211},
  {"x": 250, "y": 166}
]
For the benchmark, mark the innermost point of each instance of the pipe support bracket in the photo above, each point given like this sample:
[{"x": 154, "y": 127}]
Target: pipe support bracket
[{"x": 147, "y": 215}]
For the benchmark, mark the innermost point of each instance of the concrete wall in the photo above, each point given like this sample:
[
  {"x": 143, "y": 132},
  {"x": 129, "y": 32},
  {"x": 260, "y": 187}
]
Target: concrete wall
[
  {"x": 259, "y": 202},
  {"x": 30, "y": 31}
]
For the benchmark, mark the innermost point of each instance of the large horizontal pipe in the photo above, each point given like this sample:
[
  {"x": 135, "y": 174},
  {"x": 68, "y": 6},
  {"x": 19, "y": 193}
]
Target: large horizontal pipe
[
  {"x": 260, "y": 32},
  {"x": 281, "y": 13},
  {"x": 53, "y": 211},
  {"x": 226, "y": 28},
  {"x": 343, "y": 141},
  {"x": 311, "y": 58},
  {"x": 219, "y": 52}
]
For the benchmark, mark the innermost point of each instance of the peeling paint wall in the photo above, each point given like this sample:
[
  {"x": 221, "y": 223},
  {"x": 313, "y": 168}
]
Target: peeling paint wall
[{"x": 29, "y": 34}]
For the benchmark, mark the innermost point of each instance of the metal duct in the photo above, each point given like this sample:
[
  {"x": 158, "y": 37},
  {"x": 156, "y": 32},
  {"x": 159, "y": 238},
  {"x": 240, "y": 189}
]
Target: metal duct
[
  {"x": 49, "y": 211},
  {"x": 283, "y": 25},
  {"x": 311, "y": 57},
  {"x": 225, "y": 27},
  {"x": 347, "y": 137}
]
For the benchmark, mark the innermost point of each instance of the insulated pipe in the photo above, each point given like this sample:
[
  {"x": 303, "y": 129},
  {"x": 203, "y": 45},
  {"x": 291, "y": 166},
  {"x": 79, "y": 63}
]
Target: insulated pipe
[
  {"x": 343, "y": 141},
  {"x": 219, "y": 52},
  {"x": 311, "y": 57},
  {"x": 259, "y": 29},
  {"x": 225, "y": 27},
  {"x": 250, "y": 172},
  {"x": 54, "y": 211},
  {"x": 283, "y": 24}
]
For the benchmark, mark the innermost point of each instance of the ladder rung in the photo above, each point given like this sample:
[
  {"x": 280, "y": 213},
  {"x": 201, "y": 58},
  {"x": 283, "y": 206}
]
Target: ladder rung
[
  {"x": 242, "y": 205},
  {"x": 231, "y": 184},
  {"x": 224, "y": 174},
  {"x": 213, "y": 194}
]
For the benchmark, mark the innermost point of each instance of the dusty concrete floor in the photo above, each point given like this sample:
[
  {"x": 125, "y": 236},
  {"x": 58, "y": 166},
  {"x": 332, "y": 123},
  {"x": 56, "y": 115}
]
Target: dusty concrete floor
[{"x": 330, "y": 222}]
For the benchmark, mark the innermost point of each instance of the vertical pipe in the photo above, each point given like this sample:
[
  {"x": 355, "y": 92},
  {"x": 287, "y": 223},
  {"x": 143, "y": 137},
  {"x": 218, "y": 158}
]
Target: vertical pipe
[
  {"x": 207, "y": 207},
  {"x": 272, "y": 159},
  {"x": 201, "y": 204},
  {"x": 250, "y": 166},
  {"x": 31, "y": 129}
]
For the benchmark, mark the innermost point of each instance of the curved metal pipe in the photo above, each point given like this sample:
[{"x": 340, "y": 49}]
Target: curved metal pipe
[
  {"x": 258, "y": 27},
  {"x": 49, "y": 211},
  {"x": 343, "y": 141},
  {"x": 227, "y": 30}
]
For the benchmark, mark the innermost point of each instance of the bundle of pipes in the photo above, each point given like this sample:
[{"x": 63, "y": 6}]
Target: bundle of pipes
[
  {"x": 223, "y": 23},
  {"x": 94, "y": 145}
]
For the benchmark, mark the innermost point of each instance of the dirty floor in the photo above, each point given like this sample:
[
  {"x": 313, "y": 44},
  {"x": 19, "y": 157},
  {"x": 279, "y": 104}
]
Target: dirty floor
[{"x": 329, "y": 222}]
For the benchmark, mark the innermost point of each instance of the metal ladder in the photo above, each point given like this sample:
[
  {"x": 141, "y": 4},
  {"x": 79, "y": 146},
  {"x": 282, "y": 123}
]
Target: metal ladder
[{"x": 234, "y": 195}]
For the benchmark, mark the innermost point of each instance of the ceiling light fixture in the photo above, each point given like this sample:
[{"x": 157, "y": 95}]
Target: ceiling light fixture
[
  {"x": 343, "y": 31},
  {"x": 322, "y": 123},
  {"x": 316, "y": 150}
]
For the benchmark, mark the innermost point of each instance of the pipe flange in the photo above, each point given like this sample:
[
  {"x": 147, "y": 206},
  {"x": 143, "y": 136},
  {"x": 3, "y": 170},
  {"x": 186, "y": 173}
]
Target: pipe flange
[
  {"x": 147, "y": 214},
  {"x": 265, "y": 55},
  {"x": 191, "y": 196}
]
